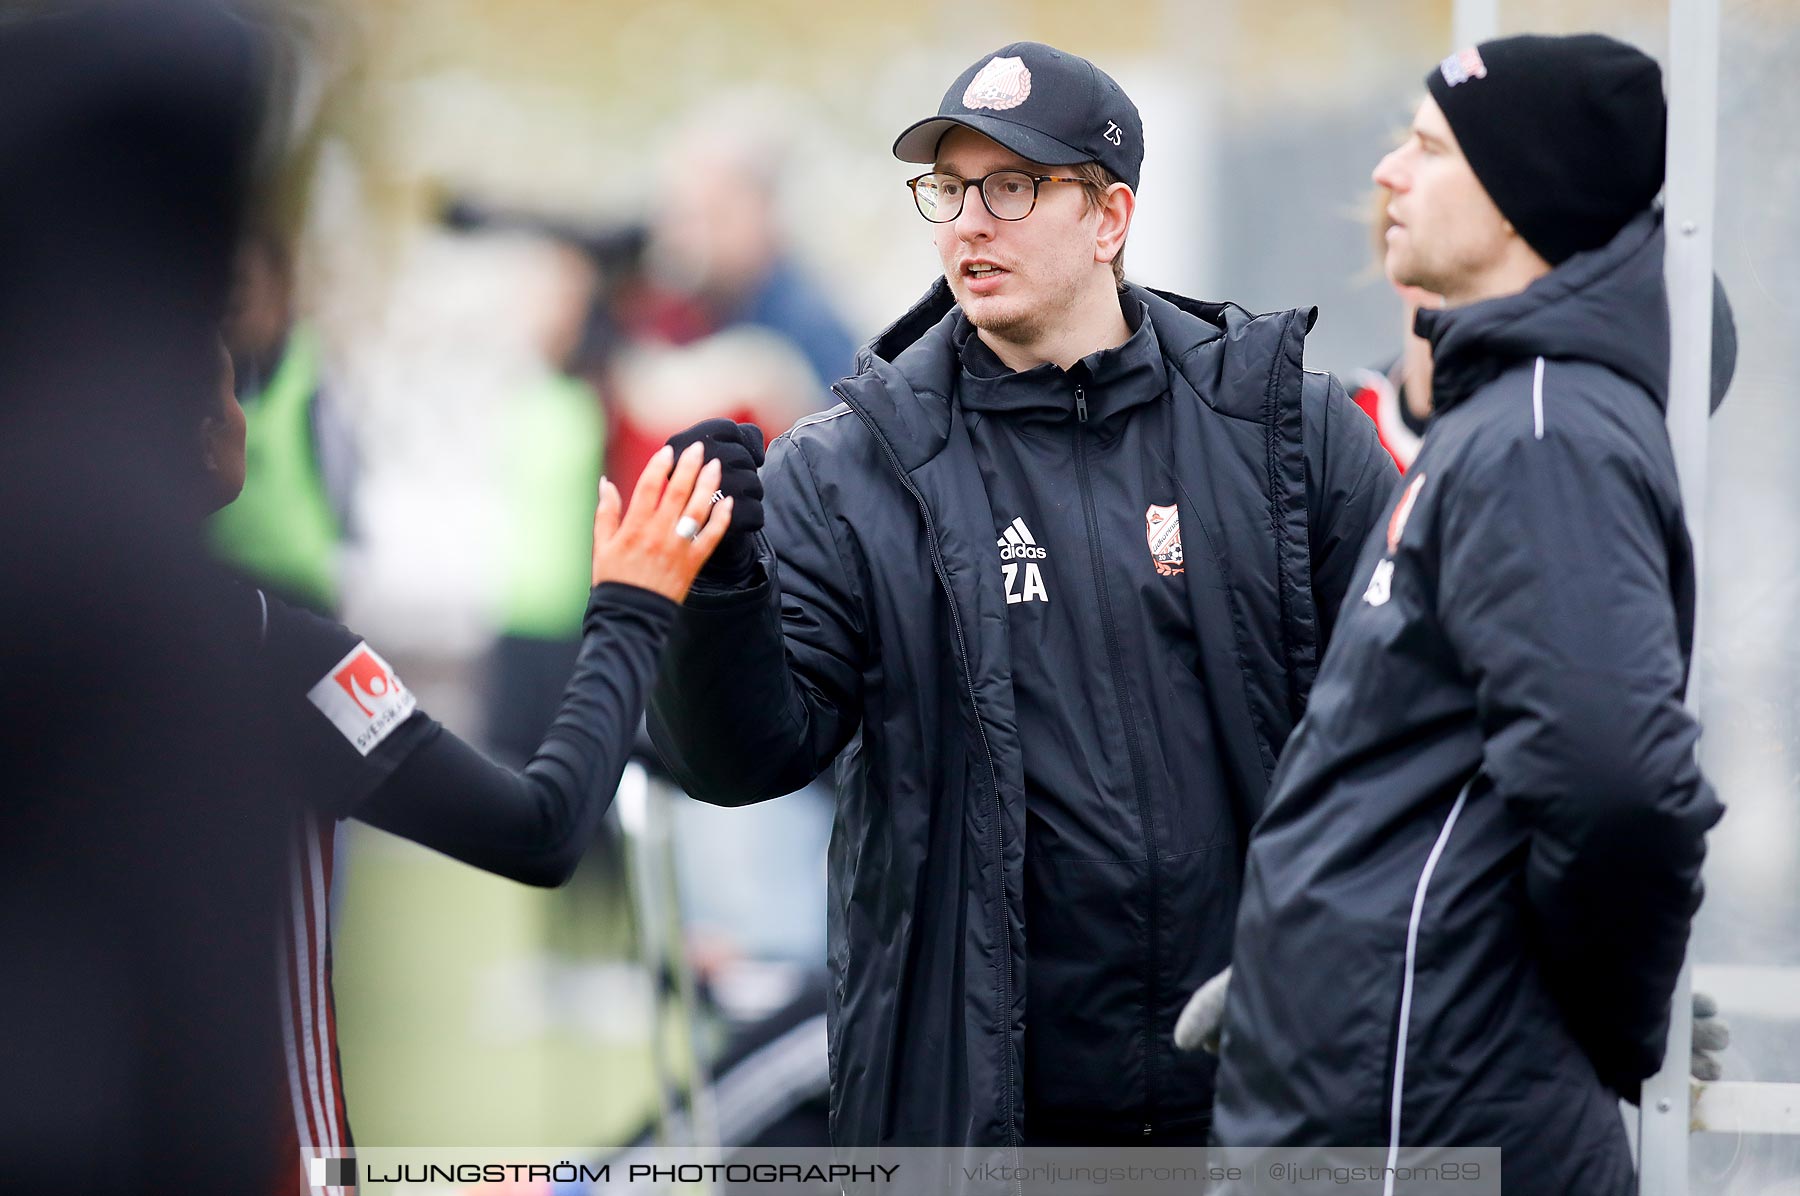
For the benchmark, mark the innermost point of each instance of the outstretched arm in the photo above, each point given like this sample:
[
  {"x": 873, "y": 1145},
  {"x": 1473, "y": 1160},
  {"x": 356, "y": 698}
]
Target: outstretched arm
[
  {"x": 534, "y": 825},
  {"x": 762, "y": 684}
]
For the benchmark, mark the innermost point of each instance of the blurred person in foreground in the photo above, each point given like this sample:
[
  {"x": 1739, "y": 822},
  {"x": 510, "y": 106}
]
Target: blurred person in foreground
[
  {"x": 1056, "y": 727},
  {"x": 143, "y": 796},
  {"x": 1466, "y": 906},
  {"x": 370, "y": 753}
]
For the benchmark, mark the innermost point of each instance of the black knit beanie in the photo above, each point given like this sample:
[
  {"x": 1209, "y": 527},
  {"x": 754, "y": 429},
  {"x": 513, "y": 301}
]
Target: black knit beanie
[{"x": 1566, "y": 133}]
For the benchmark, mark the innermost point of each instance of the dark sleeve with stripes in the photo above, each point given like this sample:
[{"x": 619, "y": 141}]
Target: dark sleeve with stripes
[{"x": 534, "y": 826}]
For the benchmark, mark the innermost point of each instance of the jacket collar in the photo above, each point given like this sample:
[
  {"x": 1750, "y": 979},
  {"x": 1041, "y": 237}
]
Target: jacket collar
[
  {"x": 1112, "y": 380},
  {"x": 1607, "y": 306},
  {"x": 908, "y": 374}
]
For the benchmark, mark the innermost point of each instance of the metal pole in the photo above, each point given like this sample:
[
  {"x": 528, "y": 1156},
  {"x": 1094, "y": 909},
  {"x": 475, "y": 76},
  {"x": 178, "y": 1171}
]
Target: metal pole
[
  {"x": 649, "y": 913},
  {"x": 1666, "y": 1104},
  {"x": 676, "y": 1054}
]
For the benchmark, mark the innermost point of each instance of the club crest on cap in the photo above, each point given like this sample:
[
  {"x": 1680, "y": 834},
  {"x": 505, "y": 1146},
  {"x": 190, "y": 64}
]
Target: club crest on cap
[
  {"x": 1462, "y": 66},
  {"x": 1003, "y": 83}
]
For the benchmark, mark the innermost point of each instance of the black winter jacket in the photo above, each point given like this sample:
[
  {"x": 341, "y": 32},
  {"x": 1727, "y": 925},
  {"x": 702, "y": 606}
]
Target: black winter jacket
[
  {"x": 880, "y": 632},
  {"x": 1466, "y": 905}
]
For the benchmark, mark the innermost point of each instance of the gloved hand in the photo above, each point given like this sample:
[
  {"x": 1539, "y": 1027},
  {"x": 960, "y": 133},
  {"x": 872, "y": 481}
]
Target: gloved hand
[
  {"x": 1203, "y": 1016},
  {"x": 738, "y": 448},
  {"x": 1710, "y": 1037}
]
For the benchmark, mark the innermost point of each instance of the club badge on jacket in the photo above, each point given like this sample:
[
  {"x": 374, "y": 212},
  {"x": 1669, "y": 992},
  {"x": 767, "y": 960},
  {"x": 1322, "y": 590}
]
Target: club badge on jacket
[{"x": 1162, "y": 528}]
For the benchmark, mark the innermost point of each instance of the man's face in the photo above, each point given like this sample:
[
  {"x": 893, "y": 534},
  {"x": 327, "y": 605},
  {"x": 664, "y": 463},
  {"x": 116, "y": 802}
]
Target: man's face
[
  {"x": 1446, "y": 229},
  {"x": 1043, "y": 261}
]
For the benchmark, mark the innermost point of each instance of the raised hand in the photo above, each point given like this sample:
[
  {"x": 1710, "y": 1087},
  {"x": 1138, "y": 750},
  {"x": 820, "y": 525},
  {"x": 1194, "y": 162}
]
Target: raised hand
[
  {"x": 739, "y": 450},
  {"x": 660, "y": 542}
]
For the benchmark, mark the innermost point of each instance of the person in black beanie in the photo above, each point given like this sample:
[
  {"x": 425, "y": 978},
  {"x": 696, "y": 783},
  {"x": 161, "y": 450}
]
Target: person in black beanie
[
  {"x": 1467, "y": 903},
  {"x": 1566, "y": 134}
]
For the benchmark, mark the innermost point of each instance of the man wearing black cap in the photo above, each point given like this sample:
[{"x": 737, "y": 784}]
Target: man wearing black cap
[
  {"x": 1465, "y": 909},
  {"x": 1054, "y": 725}
]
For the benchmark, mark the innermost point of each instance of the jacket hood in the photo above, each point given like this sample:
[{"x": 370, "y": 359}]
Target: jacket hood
[
  {"x": 1116, "y": 379},
  {"x": 1608, "y": 306},
  {"x": 905, "y": 376},
  {"x": 938, "y": 302}
]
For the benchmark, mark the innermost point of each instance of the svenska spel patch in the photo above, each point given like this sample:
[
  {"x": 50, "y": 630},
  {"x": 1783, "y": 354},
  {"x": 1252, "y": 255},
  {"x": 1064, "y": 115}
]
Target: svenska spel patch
[{"x": 363, "y": 698}]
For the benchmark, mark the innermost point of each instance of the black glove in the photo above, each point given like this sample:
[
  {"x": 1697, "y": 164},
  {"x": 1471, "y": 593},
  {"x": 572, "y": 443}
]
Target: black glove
[{"x": 738, "y": 448}]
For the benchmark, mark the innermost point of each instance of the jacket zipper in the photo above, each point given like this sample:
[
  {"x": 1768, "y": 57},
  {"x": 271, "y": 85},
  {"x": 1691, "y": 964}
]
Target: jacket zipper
[
  {"x": 1133, "y": 749},
  {"x": 1406, "y": 983},
  {"x": 995, "y": 842}
]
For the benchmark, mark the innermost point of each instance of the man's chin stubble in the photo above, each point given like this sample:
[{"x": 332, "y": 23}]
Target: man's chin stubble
[
  {"x": 1020, "y": 328},
  {"x": 1426, "y": 275},
  {"x": 1016, "y": 331}
]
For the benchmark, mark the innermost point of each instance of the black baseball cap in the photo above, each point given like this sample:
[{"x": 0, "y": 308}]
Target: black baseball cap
[{"x": 1041, "y": 104}]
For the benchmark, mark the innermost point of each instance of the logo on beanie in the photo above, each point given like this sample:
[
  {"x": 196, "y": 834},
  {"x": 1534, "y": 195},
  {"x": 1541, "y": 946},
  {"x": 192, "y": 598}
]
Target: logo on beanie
[
  {"x": 1003, "y": 83},
  {"x": 1462, "y": 66}
]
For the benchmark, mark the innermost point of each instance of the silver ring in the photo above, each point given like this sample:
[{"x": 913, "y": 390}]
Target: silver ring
[{"x": 687, "y": 527}]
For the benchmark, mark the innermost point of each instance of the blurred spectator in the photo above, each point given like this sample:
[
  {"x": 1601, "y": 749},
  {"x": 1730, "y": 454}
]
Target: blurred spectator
[
  {"x": 721, "y": 322},
  {"x": 717, "y": 320},
  {"x": 718, "y": 238},
  {"x": 549, "y": 462},
  {"x": 714, "y": 318}
]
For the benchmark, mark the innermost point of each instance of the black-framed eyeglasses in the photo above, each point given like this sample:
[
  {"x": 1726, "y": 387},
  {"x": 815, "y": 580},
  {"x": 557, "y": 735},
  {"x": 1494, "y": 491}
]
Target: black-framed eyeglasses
[{"x": 1008, "y": 194}]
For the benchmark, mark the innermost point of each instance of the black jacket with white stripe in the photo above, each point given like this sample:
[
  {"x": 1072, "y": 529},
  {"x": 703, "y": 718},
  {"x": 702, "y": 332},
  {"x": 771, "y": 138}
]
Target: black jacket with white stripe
[
  {"x": 1466, "y": 904},
  {"x": 882, "y": 632}
]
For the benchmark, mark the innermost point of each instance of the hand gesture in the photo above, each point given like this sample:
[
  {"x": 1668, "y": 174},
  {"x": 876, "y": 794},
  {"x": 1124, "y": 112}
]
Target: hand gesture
[
  {"x": 670, "y": 529},
  {"x": 738, "y": 448}
]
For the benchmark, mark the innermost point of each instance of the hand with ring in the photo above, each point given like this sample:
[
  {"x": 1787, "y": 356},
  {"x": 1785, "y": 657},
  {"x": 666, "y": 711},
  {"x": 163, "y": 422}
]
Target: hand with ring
[
  {"x": 738, "y": 448},
  {"x": 671, "y": 527}
]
